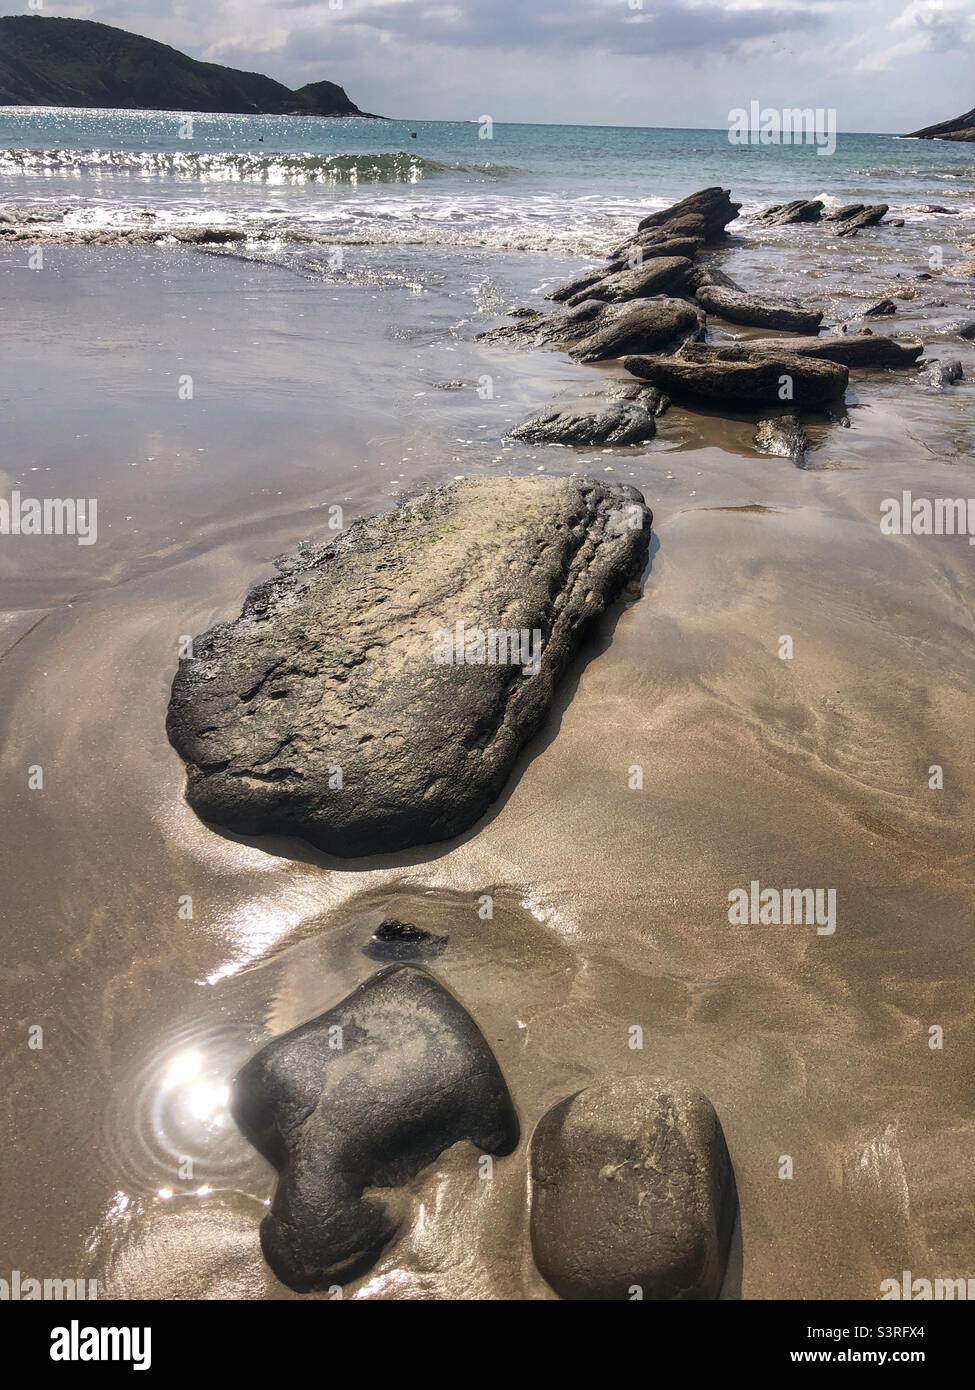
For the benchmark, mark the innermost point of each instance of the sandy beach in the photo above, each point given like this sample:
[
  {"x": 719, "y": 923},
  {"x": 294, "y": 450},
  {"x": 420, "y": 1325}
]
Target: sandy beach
[{"x": 611, "y": 903}]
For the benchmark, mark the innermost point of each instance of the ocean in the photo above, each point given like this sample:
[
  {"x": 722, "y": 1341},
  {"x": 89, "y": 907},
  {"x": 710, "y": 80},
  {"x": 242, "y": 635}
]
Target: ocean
[{"x": 364, "y": 182}]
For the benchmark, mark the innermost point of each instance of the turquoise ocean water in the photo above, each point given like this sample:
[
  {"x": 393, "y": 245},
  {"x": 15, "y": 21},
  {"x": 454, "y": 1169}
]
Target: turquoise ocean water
[{"x": 537, "y": 187}]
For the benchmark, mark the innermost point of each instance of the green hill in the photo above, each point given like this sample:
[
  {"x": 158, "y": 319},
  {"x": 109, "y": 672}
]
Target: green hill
[{"x": 76, "y": 62}]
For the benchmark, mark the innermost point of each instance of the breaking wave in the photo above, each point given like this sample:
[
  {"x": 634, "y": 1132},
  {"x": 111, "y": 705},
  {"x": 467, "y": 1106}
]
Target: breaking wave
[{"x": 241, "y": 167}]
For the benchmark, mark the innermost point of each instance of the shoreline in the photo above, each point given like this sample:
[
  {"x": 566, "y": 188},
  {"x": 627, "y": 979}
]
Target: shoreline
[{"x": 748, "y": 761}]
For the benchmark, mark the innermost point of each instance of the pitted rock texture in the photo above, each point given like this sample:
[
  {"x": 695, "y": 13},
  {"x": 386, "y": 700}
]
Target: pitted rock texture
[
  {"x": 362, "y": 1097},
  {"x": 331, "y": 709}
]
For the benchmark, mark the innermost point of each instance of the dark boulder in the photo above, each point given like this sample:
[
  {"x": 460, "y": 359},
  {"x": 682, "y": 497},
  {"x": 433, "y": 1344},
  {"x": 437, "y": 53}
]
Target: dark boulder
[
  {"x": 365, "y": 1096},
  {"x": 738, "y": 307},
  {"x": 967, "y": 330},
  {"x": 738, "y": 374},
  {"x": 376, "y": 694},
  {"x": 712, "y": 205},
  {"x": 633, "y": 1193},
  {"x": 635, "y": 256}
]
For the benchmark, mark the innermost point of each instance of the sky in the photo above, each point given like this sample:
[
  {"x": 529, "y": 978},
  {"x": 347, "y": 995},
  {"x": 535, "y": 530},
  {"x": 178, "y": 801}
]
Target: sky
[{"x": 882, "y": 65}]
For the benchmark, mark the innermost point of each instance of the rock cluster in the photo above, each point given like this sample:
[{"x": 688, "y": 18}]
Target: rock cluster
[{"x": 632, "y": 1190}]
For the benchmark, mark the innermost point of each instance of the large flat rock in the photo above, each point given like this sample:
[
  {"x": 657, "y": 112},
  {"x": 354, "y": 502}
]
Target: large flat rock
[
  {"x": 632, "y": 1189},
  {"x": 759, "y": 312},
  {"x": 364, "y": 1097},
  {"x": 849, "y": 349},
  {"x": 739, "y": 374},
  {"x": 332, "y": 708}
]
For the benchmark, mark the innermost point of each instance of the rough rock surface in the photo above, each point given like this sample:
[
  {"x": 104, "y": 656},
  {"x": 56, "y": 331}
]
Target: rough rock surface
[
  {"x": 364, "y": 1096},
  {"x": 632, "y": 1186},
  {"x": 644, "y": 326},
  {"x": 328, "y": 709},
  {"x": 800, "y": 210},
  {"x": 782, "y": 437},
  {"x": 850, "y": 349},
  {"x": 712, "y": 205},
  {"x": 637, "y": 254},
  {"x": 623, "y": 422},
  {"x": 865, "y": 217},
  {"x": 941, "y": 374},
  {"x": 739, "y": 307},
  {"x": 663, "y": 275},
  {"x": 741, "y": 374}
]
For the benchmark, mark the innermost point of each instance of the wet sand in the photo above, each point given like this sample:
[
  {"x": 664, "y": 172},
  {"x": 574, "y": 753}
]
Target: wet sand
[{"x": 611, "y": 903}]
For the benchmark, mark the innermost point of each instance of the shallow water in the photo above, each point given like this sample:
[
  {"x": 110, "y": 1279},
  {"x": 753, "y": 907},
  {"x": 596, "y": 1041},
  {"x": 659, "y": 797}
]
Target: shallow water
[{"x": 313, "y": 390}]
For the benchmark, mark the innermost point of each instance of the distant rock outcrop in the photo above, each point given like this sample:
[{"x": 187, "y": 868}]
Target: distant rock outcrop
[
  {"x": 76, "y": 62},
  {"x": 961, "y": 128}
]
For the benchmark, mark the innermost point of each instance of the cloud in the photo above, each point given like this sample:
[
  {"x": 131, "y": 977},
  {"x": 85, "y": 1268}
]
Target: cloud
[
  {"x": 929, "y": 26},
  {"x": 624, "y": 27}
]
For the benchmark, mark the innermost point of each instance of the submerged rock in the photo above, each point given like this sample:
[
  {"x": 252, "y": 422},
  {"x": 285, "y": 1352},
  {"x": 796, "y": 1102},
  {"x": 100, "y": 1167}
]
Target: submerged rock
[
  {"x": 781, "y": 437},
  {"x": 884, "y": 309},
  {"x": 851, "y": 349},
  {"x": 738, "y": 307},
  {"x": 967, "y": 330},
  {"x": 620, "y": 423},
  {"x": 394, "y": 940},
  {"x": 632, "y": 1189},
  {"x": 364, "y": 1096},
  {"x": 741, "y": 374},
  {"x": 941, "y": 374},
  {"x": 376, "y": 694}
]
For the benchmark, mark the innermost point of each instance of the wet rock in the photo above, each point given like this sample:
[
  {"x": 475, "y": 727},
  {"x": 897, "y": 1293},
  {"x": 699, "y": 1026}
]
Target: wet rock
[
  {"x": 712, "y": 205},
  {"x": 644, "y": 326},
  {"x": 621, "y": 423},
  {"x": 781, "y": 437},
  {"x": 632, "y": 1187},
  {"x": 884, "y": 309},
  {"x": 865, "y": 217},
  {"x": 365, "y": 1096},
  {"x": 864, "y": 349},
  {"x": 663, "y": 275},
  {"x": 800, "y": 210},
  {"x": 967, "y": 330},
  {"x": 843, "y": 214},
  {"x": 346, "y": 706},
  {"x": 394, "y": 940},
  {"x": 941, "y": 374},
  {"x": 738, "y": 307},
  {"x": 636, "y": 255},
  {"x": 738, "y": 374},
  {"x": 557, "y": 330}
]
